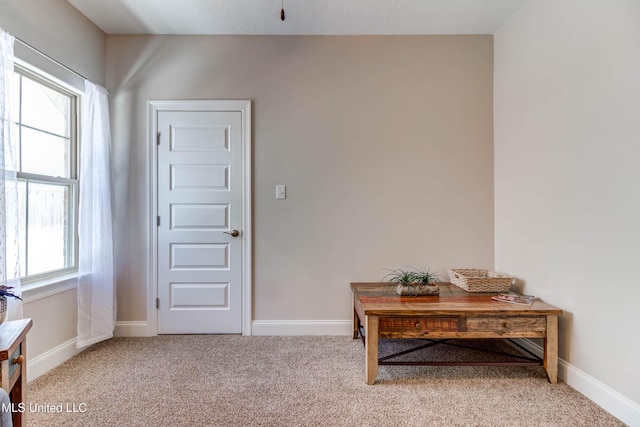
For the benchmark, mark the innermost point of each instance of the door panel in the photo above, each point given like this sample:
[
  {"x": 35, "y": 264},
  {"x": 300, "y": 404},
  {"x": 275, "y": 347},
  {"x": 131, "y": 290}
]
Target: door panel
[
  {"x": 187, "y": 296},
  {"x": 199, "y": 199},
  {"x": 199, "y": 217},
  {"x": 199, "y": 256},
  {"x": 199, "y": 177}
]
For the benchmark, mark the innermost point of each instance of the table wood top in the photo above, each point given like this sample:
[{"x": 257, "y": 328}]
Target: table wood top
[{"x": 378, "y": 299}]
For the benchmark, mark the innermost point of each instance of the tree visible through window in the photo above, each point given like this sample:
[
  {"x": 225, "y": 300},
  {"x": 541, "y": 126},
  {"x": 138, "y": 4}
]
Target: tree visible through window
[{"x": 47, "y": 175}]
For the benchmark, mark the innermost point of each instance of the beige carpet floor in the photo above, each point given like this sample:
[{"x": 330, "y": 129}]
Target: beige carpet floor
[{"x": 218, "y": 380}]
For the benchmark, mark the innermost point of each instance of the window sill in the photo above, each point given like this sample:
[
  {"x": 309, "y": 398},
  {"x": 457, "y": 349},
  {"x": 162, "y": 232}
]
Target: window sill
[{"x": 46, "y": 288}]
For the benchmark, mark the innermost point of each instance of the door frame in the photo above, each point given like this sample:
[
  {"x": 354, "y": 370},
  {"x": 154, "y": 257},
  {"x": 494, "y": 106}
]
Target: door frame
[{"x": 244, "y": 107}]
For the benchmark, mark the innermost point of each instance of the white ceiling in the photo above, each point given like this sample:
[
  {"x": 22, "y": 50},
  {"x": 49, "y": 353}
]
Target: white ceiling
[{"x": 330, "y": 17}]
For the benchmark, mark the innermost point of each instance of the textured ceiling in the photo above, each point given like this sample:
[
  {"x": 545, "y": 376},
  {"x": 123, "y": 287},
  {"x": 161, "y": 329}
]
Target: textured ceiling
[{"x": 339, "y": 17}]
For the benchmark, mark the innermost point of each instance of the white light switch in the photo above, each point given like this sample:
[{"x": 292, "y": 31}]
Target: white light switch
[{"x": 281, "y": 192}]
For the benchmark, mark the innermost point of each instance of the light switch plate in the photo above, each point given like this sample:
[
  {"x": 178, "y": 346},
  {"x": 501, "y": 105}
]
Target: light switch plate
[{"x": 281, "y": 192}]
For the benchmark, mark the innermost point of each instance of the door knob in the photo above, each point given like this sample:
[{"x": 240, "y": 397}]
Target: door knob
[{"x": 234, "y": 233}]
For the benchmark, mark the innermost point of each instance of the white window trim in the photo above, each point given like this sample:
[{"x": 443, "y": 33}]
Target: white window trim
[{"x": 51, "y": 283}]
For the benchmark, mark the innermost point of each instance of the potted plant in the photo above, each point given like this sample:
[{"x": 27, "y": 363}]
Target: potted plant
[
  {"x": 5, "y": 291},
  {"x": 413, "y": 282}
]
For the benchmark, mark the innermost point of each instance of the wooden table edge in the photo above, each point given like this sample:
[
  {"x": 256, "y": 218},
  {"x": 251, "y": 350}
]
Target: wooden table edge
[{"x": 369, "y": 319}]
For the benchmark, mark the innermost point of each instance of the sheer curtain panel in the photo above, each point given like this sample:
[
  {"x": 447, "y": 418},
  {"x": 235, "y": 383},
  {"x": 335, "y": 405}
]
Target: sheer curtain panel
[
  {"x": 96, "y": 278},
  {"x": 9, "y": 219}
]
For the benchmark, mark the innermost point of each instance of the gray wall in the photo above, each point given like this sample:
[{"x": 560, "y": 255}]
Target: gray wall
[
  {"x": 567, "y": 132},
  {"x": 385, "y": 144},
  {"x": 61, "y": 32}
]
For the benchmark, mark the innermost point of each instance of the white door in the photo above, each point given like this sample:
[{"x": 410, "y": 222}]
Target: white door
[{"x": 199, "y": 198}]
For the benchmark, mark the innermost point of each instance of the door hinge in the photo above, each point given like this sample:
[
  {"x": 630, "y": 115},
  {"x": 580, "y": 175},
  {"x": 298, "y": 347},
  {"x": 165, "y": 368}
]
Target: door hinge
[
  {"x": 158, "y": 139},
  {"x": 157, "y": 303},
  {"x": 158, "y": 221}
]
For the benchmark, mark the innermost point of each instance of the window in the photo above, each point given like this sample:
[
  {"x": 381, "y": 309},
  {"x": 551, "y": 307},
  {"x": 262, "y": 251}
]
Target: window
[{"x": 46, "y": 132}]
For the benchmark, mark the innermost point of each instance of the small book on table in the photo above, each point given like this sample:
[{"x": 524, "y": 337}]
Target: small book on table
[{"x": 514, "y": 298}]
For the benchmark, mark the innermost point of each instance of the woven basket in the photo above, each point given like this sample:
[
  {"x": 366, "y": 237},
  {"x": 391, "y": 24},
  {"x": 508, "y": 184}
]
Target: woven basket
[
  {"x": 473, "y": 280},
  {"x": 3, "y": 308}
]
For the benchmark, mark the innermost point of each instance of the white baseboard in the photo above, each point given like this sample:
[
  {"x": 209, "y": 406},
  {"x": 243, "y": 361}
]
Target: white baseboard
[
  {"x": 301, "y": 327},
  {"x": 46, "y": 361},
  {"x": 610, "y": 400},
  {"x": 133, "y": 329},
  {"x": 258, "y": 327}
]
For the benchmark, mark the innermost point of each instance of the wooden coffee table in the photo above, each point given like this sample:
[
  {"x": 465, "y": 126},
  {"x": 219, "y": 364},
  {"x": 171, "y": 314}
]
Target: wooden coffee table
[{"x": 380, "y": 313}]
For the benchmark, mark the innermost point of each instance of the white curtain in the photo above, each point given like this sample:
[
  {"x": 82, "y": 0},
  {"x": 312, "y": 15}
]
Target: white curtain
[
  {"x": 9, "y": 253},
  {"x": 96, "y": 279}
]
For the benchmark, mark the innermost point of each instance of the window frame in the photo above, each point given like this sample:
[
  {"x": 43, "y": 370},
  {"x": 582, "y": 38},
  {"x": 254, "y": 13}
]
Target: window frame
[{"x": 54, "y": 84}]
